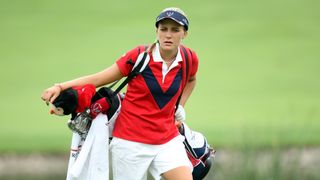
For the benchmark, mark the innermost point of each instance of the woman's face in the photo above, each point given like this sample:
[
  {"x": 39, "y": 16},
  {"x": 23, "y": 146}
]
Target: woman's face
[
  {"x": 170, "y": 34},
  {"x": 56, "y": 110}
]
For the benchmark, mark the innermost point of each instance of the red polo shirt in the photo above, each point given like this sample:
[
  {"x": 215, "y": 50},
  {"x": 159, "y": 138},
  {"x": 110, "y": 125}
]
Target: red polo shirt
[{"x": 147, "y": 112}]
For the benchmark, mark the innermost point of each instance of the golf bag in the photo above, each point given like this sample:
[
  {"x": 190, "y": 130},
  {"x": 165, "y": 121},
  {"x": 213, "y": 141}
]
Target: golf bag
[{"x": 199, "y": 152}]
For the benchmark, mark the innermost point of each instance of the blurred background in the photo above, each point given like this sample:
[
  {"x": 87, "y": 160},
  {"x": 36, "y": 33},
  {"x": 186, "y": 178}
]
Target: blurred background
[{"x": 257, "y": 98}]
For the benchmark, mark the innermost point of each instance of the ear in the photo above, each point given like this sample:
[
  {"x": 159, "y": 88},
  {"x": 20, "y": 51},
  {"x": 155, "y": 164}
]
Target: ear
[{"x": 185, "y": 34}]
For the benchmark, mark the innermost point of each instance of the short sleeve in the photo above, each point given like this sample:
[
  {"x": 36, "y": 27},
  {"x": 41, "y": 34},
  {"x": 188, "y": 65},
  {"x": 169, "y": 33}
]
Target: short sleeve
[{"x": 122, "y": 62}]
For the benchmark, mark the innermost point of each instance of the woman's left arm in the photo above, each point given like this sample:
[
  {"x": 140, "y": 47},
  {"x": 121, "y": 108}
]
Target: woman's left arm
[{"x": 188, "y": 90}]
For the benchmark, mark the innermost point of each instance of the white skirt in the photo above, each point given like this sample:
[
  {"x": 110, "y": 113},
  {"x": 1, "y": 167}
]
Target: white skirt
[{"x": 132, "y": 160}]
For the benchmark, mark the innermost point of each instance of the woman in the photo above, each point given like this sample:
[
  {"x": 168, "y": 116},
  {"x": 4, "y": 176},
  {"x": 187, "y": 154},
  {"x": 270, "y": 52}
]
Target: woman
[{"x": 145, "y": 135}]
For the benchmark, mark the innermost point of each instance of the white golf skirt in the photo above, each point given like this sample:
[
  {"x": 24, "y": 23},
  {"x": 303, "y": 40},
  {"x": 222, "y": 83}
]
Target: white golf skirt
[{"x": 132, "y": 160}]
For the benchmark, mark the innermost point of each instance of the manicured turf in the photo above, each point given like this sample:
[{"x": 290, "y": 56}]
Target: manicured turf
[{"x": 258, "y": 81}]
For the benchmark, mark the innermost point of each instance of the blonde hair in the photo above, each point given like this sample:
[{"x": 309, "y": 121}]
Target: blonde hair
[{"x": 152, "y": 46}]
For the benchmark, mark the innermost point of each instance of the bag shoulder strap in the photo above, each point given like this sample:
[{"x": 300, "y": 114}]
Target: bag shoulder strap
[
  {"x": 138, "y": 67},
  {"x": 185, "y": 69},
  {"x": 187, "y": 63}
]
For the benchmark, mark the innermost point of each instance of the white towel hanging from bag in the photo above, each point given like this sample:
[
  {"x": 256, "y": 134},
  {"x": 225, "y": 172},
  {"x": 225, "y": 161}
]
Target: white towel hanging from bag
[{"x": 89, "y": 157}]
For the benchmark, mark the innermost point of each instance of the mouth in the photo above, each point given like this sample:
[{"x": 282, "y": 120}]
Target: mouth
[
  {"x": 168, "y": 42},
  {"x": 51, "y": 111}
]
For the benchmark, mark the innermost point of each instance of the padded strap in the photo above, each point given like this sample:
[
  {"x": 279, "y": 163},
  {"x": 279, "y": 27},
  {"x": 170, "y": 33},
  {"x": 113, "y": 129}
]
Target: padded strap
[
  {"x": 185, "y": 68},
  {"x": 136, "y": 70}
]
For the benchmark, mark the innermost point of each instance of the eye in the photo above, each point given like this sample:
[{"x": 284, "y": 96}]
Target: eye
[
  {"x": 163, "y": 29},
  {"x": 59, "y": 111},
  {"x": 175, "y": 29}
]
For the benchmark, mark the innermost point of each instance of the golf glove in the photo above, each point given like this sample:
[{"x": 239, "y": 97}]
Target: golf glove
[{"x": 180, "y": 114}]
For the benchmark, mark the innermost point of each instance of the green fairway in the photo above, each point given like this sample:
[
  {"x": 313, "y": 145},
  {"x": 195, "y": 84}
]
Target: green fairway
[{"x": 258, "y": 80}]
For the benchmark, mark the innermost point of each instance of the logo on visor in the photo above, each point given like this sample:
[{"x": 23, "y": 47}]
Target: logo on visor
[
  {"x": 185, "y": 21},
  {"x": 170, "y": 13}
]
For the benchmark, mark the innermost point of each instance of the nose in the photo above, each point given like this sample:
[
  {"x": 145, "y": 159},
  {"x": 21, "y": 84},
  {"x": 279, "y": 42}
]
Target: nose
[{"x": 168, "y": 34}]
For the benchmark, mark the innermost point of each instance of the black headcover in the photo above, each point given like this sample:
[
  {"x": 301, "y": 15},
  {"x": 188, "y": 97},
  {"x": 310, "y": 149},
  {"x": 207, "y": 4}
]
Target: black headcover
[{"x": 67, "y": 100}]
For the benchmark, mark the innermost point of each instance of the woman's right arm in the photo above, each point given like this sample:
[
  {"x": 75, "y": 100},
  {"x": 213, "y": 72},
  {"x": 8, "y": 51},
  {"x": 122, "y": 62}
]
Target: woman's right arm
[{"x": 101, "y": 78}]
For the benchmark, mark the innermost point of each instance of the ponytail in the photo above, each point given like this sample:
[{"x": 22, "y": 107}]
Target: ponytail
[{"x": 153, "y": 45}]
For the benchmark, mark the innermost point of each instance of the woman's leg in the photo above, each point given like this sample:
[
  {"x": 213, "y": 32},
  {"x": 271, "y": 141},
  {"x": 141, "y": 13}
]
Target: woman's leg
[
  {"x": 172, "y": 161},
  {"x": 179, "y": 173}
]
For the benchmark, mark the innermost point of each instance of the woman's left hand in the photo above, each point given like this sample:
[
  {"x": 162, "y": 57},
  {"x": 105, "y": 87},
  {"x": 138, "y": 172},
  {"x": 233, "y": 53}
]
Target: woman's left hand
[{"x": 50, "y": 94}]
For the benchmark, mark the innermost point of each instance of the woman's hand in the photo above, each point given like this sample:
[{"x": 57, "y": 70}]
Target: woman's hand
[{"x": 50, "y": 94}]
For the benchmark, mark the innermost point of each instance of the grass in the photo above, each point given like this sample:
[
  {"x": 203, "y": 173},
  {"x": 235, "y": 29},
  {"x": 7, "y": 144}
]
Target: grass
[
  {"x": 257, "y": 83},
  {"x": 275, "y": 164}
]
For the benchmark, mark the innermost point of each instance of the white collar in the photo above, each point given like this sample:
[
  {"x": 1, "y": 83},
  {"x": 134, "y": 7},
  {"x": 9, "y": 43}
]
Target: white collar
[{"x": 157, "y": 57}]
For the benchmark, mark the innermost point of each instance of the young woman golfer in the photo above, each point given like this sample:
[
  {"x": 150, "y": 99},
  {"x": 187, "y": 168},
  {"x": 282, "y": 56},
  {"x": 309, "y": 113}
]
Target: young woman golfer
[{"x": 145, "y": 135}]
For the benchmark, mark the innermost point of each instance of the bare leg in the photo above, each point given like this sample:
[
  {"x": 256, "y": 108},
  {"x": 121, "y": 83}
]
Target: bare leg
[{"x": 179, "y": 173}]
